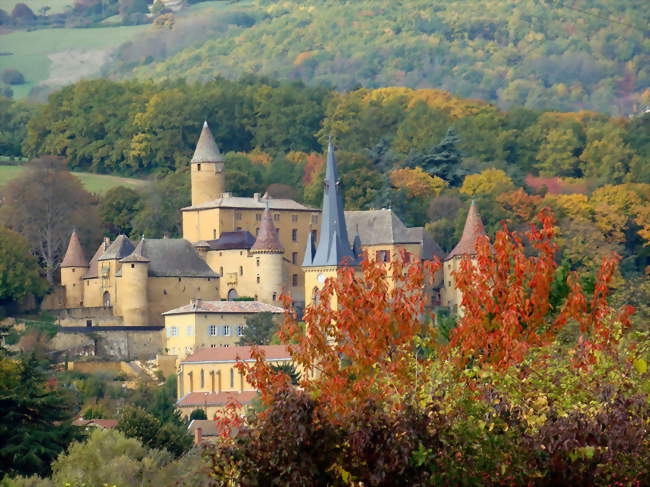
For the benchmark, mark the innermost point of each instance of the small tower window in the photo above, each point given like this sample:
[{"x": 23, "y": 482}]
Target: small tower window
[
  {"x": 294, "y": 257},
  {"x": 257, "y": 261},
  {"x": 198, "y": 167},
  {"x": 294, "y": 235},
  {"x": 258, "y": 279},
  {"x": 132, "y": 266},
  {"x": 241, "y": 271},
  {"x": 214, "y": 233},
  {"x": 275, "y": 296}
]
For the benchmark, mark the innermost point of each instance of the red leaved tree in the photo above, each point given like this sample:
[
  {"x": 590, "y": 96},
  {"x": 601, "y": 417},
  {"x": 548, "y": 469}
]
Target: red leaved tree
[
  {"x": 505, "y": 298},
  {"x": 361, "y": 349}
]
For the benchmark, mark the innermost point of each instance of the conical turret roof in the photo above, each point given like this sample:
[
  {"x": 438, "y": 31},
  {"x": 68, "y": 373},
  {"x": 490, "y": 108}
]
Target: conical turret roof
[
  {"x": 333, "y": 246},
  {"x": 74, "y": 256},
  {"x": 471, "y": 232},
  {"x": 206, "y": 148},
  {"x": 267, "y": 238},
  {"x": 136, "y": 255}
]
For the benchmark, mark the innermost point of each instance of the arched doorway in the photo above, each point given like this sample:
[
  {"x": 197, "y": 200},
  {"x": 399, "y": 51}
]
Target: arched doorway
[
  {"x": 107, "y": 300},
  {"x": 232, "y": 295}
]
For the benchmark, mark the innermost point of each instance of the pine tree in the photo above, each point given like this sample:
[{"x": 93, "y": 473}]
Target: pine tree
[{"x": 443, "y": 160}]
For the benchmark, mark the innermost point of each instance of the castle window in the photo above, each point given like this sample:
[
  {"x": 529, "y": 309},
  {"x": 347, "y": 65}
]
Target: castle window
[
  {"x": 214, "y": 234},
  {"x": 258, "y": 279},
  {"x": 202, "y": 379},
  {"x": 174, "y": 331},
  {"x": 198, "y": 167},
  {"x": 257, "y": 261},
  {"x": 212, "y": 330},
  {"x": 179, "y": 279},
  {"x": 275, "y": 296},
  {"x": 238, "y": 215},
  {"x": 294, "y": 280},
  {"x": 241, "y": 270},
  {"x": 226, "y": 330},
  {"x": 232, "y": 377},
  {"x": 276, "y": 217},
  {"x": 294, "y": 235},
  {"x": 240, "y": 331},
  {"x": 294, "y": 257},
  {"x": 294, "y": 218},
  {"x": 132, "y": 266},
  {"x": 89, "y": 323},
  {"x": 382, "y": 256},
  {"x": 106, "y": 299},
  {"x": 73, "y": 269}
]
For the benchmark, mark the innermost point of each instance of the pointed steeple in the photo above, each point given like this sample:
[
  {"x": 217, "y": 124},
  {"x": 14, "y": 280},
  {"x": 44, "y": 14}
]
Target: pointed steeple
[
  {"x": 333, "y": 246},
  {"x": 206, "y": 148},
  {"x": 473, "y": 229},
  {"x": 137, "y": 255},
  {"x": 74, "y": 256},
  {"x": 267, "y": 238}
]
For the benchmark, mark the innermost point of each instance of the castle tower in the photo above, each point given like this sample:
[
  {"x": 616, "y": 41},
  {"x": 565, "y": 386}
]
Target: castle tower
[
  {"x": 268, "y": 253},
  {"x": 73, "y": 269},
  {"x": 206, "y": 168},
  {"x": 333, "y": 250},
  {"x": 473, "y": 229},
  {"x": 133, "y": 287}
]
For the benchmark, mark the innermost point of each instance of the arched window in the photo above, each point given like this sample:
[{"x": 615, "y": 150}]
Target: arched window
[
  {"x": 232, "y": 295},
  {"x": 107, "y": 300}
]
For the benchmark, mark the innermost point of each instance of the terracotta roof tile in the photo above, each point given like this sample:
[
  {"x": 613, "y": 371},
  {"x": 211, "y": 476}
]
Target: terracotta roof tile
[
  {"x": 74, "y": 256},
  {"x": 204, "y": 306},
  {"x": 232, "y": 354},
  {"x": 194, "y": 399},
  {"x": 473, "y": 229},
  {"x": 267, "y": 238}
]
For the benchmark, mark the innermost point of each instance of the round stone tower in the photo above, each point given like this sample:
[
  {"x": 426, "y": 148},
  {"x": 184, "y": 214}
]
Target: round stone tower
[
  {"x": 268, "y": 254},
  {"x": 73, "y": 268},
  {"x": 206, "y": 168},
  {"x": 133, "y": 287}
]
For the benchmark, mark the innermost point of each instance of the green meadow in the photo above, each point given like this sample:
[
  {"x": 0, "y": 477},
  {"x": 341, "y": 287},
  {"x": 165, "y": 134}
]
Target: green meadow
[{"x": 94, "y": 183}]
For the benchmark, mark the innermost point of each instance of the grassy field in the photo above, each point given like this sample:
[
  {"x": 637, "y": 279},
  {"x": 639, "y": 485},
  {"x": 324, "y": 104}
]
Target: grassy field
[
  {"x": 56, "y": 6},
  {"x": 95, "y": 183},
  {"x": 30, "y": 51}
]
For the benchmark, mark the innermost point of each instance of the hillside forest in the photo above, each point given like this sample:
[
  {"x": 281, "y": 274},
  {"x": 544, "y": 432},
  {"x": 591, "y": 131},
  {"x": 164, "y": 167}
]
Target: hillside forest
[{"x": 542, "y": 54}]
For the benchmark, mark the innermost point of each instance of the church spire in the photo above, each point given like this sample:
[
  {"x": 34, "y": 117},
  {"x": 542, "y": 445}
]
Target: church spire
[
  {"x": 333, "y": 246},
  {"x": 74, "y": 256},
  {"x": 471, "y": 232},
  {"x": 206, "y": 148}
]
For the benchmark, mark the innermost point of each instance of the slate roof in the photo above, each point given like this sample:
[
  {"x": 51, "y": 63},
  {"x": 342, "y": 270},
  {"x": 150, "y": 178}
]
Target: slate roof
[
  {"x": 74, "y": 255},
  {"x": 119, "y": 249},
  {"x": 233, "y": 354},
  {"x": 225, "y": 307},
  {"x": 206, "y": 148},
  {"x": 196, "y": 399},
  {"x": 92, "y": 266},
  {"x": 334, "y": 245},
  {"x": 136, "y": 255},
  {"x": 232, "y": 240},
  {"x": 172, "y": 257},
  {"x": 228, "y": 201},
  {"x": 267, "y": 238},
  {"x": 472, "y": 230}
]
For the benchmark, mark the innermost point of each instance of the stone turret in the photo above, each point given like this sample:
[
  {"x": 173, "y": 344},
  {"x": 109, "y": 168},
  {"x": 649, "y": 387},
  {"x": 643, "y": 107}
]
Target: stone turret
[
  {"x": 73, "y": 269},
  {"x": 134, "y": 287},
  {"x": 206, "y": 168},
  {"x": 268, "y": 253},
  {"x": 466, "y": 247},
  {"x": 333, "y": 250}
]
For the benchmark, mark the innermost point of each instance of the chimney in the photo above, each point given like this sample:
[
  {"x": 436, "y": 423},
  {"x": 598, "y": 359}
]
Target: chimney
[{"x": 198, "y": 436}]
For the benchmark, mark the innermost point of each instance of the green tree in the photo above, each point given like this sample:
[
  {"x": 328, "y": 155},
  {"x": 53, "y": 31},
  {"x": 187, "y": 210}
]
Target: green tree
[
  {"x": 35, "y": 422},
  {"x": 20, "y": 274},
  {"x": 198, "y": 414},
  {"x": 137, "y": 423},
  {"x": 558, "y": 155},
  {"x": 118, "y": 208},
  {"x": 14, "y": 116},
  {"x": 443, "y": 160},
  {"x": 259, "y": 329}
]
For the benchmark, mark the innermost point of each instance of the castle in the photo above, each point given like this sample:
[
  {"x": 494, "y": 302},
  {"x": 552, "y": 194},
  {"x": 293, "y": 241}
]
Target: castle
[{"x": 241, "y": 247}]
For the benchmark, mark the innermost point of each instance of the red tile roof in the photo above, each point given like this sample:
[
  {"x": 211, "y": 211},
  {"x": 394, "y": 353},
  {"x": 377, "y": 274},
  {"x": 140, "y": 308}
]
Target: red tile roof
[
  {"x": 74, "y": 256},
  {"x": 267, "y": 238},
  {"x": 473, "y": 229},
  {"x": 102, "y": 423},
  {"x": 195, "y": 399},
  {"x": 232, "y": 354},
  {"x": 202, "y": 306}
]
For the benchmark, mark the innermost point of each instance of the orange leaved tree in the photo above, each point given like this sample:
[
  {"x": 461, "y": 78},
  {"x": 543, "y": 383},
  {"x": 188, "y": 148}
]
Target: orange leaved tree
[
  {"x": 505, "y": 298},
  {"x": 361, "y": 349}
]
